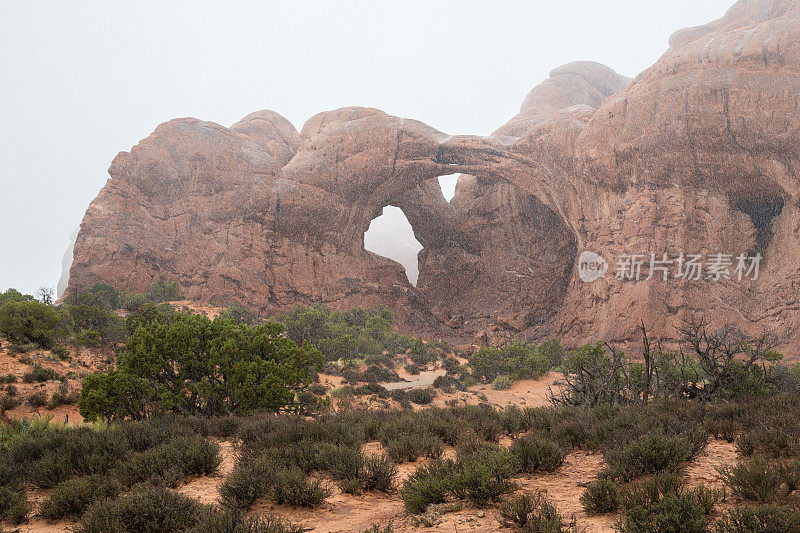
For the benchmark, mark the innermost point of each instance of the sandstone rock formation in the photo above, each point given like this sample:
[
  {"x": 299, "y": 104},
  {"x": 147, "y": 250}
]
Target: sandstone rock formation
[{"x": 697, "y": 155}]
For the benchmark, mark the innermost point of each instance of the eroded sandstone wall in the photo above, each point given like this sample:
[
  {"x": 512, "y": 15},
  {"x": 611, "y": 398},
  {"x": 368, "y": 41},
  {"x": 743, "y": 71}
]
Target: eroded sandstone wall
[{"x": 698, "y": 154}]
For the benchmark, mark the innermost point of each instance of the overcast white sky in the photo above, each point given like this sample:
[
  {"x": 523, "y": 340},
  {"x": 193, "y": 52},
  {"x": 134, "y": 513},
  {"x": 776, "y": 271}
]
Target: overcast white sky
[{"x": 81, "y": 81}]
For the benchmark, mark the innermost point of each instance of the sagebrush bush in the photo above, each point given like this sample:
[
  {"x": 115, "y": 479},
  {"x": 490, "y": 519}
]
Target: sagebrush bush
[
  {"x": 426, "y": 485},
  {"x": 43, "y": 455},
  {"x": 40, "y": 374},
  {"x": 601, "y": 496},
  {"x": 62, "y": 396},
  {"x": 484, "y": 476},
  {"x": 154, "y": 510},
  {"x": 291, "y": 486},
  {"x": 378, "y": 473},
  {"x": 73, "y": 496},
  {"x": 37, "y": 399},
  {"x": 653, "y": 453},
  {"x": 754, "y": 480},
  {"x": 14, "y": 507},
  {"x": 672, "y": 512},
  {"x": 770, "y": 440},
  {"x": 279, "y": 482},
  {"x": 659, "y": 504},
  {"x": 422, "y": 396},
  {"x": 531, "y": 513},
  {"x": 171, "y": 461},
  {"x": 481, "y": 477},
  {"x": 410, "y": 447},
  {"x": 536, "y": 454},
  {"x": 8, "y": 402},
  {"x": 233, "y": 521},
  {"x": 760, "y": 519}
]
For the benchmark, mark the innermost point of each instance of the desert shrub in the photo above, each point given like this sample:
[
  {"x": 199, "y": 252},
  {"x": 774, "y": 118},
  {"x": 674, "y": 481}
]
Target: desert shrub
[
  {"x": 37, "y": 399},
  {"x": 770, "y": 440},
  {"x": 164, "y": 291},
  {"x": 419, "y": 354},
  {"x": 531, "y": 513},
  {"x": 292, "y": 487},
  {"x": 428, "y": 484},
  {"x": 17, "y": 348},
  {"x": 35, "y": 322},
  {"x": 371, "y": 388},
  {"x": 377, "y": 372},
  {"x": 378, "y": 529},
  {"x": 484, "y": 476},
  {"x": 653, "y": 453},
  {"x": 356, "y": 333},
  {"x": 451, "y": 364},
  {"x": 481, "y": 477},
  {"x": 398, "y": 395},
  {"x": 14, "y": 507},
  {"x": 240, "y": 314},
  {"x": 133, "y": 301},
  {"x": 601, "y": 496},
  {"x": 535, "y": 454},
  {"x": 517, "y": 360},
  {"x": 193, "y": 365},
  {"x": 422, "y": 396},
  {"x": 514, "y": 420},
  {"x": 280, "y": 482},
  {"x": 100, "y": 295},
  {"x": 234, "y": 521},
  {"x": 341, "y": 462},
  {"x": 552, "y": 350},
  {"x": 378, "y": 473},
  {"x": 318, "y": 389},
  {"x": 247, "y": 483},
  {"x": 502, "y": 382},
  {"x": 60, "y": 352},
  {"x": 73, "y": 496},
  {"x": 446, "y": 383},
  {"x": 671, "y": 512},
  {"x": 62, "y": 396},
  {"x": 155, "y": 510},
  {"x": 8, "y": 378},
  {"x": 95, "y": 325},
  {"x": 40, "y": 374},
  {"x": 659, "y": 504},
  {"x": 171, "y": 461},
  {"x": 11, "y": 389},
  {"x": 571, "y": 432},
  {"x": 759, "y": 519},
  {"x": 8, "y": 402},
  {"x": 409, "y": 447},
  {"x": 44, "y": 456},
  {"x": 754, "y": 480},
  {"x": 413, "y": 369}
]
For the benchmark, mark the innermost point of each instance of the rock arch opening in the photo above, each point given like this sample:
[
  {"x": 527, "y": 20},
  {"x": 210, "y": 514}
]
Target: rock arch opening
[
  {"x": 390, "y": 235},
  {"x": 448, "y": 185},
  {"x": 762, "y": 211}
]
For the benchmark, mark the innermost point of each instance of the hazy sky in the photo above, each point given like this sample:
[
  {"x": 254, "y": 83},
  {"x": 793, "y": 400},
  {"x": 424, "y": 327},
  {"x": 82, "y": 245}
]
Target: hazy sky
[{"x": 81, "y": 81}]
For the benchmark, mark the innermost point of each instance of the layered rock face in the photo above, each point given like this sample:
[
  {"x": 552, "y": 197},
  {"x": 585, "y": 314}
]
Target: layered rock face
[{"x": 697, "y": 155}]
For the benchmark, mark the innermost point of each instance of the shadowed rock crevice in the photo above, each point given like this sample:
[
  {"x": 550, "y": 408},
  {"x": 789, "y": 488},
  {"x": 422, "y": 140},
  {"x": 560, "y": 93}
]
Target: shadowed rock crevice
[{"x": 762, "y": 211}]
